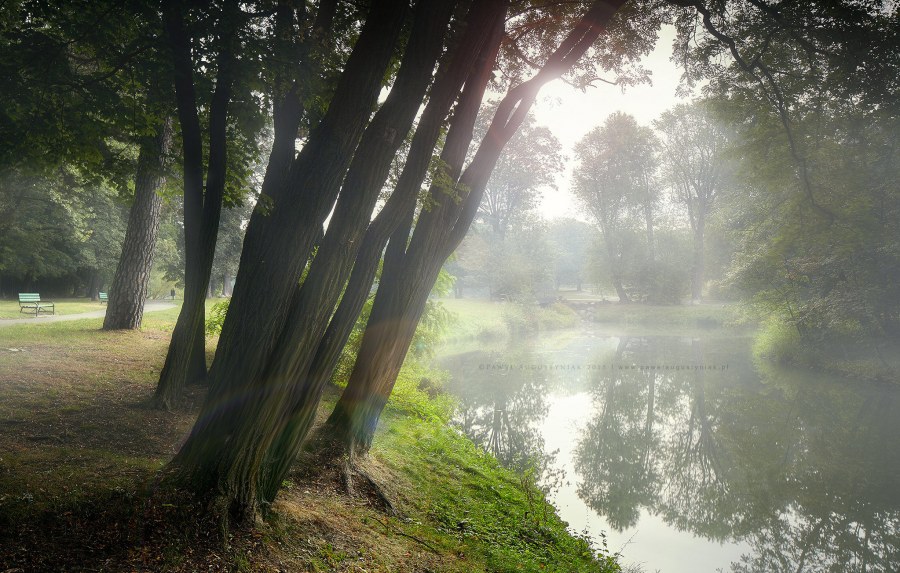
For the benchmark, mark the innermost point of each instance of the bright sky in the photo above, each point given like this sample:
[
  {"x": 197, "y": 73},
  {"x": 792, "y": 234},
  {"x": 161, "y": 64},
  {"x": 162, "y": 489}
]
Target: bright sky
[{"x": 570, "y": 114}]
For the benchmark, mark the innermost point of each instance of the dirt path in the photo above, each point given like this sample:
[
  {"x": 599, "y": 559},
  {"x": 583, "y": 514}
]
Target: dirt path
[{"x": 149, "y": 306}]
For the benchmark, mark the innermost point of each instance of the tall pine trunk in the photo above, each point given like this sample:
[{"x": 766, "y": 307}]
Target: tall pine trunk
[{"x": 125, "y": 306}]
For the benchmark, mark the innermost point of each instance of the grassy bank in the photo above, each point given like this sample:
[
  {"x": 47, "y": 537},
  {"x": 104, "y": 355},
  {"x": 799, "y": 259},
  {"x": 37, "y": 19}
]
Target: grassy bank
[
  {"x": 657, "y": 319},
  {"x": 862, "y": 357},
  {"x": 80, "y": 451},
  {"x": 481, "y": 319}
]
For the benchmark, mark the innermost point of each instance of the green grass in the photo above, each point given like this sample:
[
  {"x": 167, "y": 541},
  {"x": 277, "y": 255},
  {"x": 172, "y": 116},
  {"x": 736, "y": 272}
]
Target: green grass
[
  {"x": 467, "y": 503},
  {"x": 475, "y": 318},
  {"x": 11, "y": 309},
  {"x": 478, "y": 319},
  {"x": 79, "y": 448}
]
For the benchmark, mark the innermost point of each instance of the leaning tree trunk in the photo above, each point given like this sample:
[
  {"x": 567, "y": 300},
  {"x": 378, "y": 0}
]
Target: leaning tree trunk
[
  {"x": 398, "y": 306},
  {"x": 222, "y": 456},
  {"x": 313, "y": 304},
  {"x": 616, "y": 277},
  {"x": 406, "y": 284},
  {"x": 614, "y": 266},
  {"x": 395, "y": 312},
  {"x": 125, "y": 306},
  {"x": 399, "y": 210}
]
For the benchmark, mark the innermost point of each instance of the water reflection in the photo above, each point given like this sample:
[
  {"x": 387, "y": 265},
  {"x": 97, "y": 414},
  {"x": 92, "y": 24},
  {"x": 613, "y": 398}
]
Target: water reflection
[
  {"x": 500, "y": 408},
  {"x": 803, "y": 469}
]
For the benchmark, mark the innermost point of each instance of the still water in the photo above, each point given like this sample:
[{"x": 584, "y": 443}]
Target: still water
[{"x": 690, "y": 457}]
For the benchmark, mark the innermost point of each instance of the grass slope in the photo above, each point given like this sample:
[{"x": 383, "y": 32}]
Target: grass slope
[{"x": 79, "y": 452}]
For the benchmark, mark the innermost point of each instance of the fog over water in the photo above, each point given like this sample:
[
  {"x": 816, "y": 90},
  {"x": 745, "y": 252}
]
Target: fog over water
[{"x": 688, "y": 455}]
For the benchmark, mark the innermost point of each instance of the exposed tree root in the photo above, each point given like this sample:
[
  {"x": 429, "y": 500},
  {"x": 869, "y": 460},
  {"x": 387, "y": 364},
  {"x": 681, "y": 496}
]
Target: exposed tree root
[{"x": 326, "y": 461}]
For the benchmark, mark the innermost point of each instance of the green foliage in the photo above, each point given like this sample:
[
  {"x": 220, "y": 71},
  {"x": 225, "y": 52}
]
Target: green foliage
[
  {"x": 811, "y": 94},
  {"x": 419, "y": 391},
  {"x": 432, "y": 326},
  {"x": 62, "y": 231},
  {"x": 570, "y": 242},
  {"x": 779, "y": 341},
  {"x": 658, "y": 278},
  {"x": 528, "y": 165},
  {"x": 76, "y": 88},
  {"x": 616, "y": 182},
  {"x": 215, "y": 318}
]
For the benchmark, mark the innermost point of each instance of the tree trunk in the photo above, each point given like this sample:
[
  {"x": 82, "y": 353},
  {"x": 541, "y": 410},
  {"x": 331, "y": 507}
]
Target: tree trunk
[
  {"x": 186, "y": 358},
  {"x": 92, "y": 285},
  {"x": 321, "y": 289},
  {"x": 615, "y": 271},
  {"x": 125, "y": 307},
  {"x": 697, "y": 268},
  {"x": 387, "y": 337},
  {"x": 243, "y": 414},
  {"x": 409, "y": 273}
]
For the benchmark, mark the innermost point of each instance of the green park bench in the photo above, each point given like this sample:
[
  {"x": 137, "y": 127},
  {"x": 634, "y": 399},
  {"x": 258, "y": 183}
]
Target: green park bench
[
  {"x": 30, "y": 302},
  {"x": 104, "y": 297}
]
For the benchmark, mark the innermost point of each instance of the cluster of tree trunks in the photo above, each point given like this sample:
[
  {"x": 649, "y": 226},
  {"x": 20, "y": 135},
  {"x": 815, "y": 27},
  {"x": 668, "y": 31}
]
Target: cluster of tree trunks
[
  {"x": 261, "y": 402},
  {"x": 282, "y": 336}
]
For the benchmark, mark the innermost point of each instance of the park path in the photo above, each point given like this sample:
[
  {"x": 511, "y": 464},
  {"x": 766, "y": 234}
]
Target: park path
[{"x": 149, "y": 306}]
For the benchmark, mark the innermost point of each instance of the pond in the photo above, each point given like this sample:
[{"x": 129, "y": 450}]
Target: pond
[{"x": 687, "y": 455}]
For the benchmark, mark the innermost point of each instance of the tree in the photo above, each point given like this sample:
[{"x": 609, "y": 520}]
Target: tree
[
  {"x": 89, "y": 88},
  {"x": 697, "y": 168},
  {"x": 129, "y": 289},
  {"x": 529, "y": 162},
  {"x": 203, "y": 197},
  {"x": 614, "y": 181},
  {"x": 410, "y": 271},
  {"x": 263, "y": 437},
  {"x": 228, "y": 248},
  {"x": 808, "y": 93},
  {"x": 61, "y": 233},
  {"x": 570, "y": 242}
]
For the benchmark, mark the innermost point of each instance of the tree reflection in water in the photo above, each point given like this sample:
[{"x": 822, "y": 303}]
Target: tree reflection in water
[
  {"x": 803, "y": 468},
  {"x": 501, "y": 409}
]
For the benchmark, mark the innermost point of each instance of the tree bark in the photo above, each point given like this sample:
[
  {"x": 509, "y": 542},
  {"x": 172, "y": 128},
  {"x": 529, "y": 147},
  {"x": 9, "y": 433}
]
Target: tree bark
[
  {"x": 699, "y": 263},
  {"x": 400, "y": 207},
  {"x": 186, "y": 357},
  {"x": 321, "y": 289},
  {"x": 125, "y": 306},
  {"x": 409, "y": 272},
  {"x": 614, "y": 268},
  {"x": 223, "y": 454}
]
